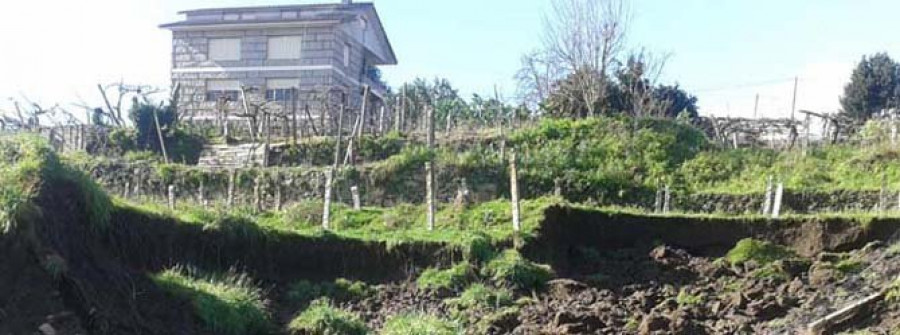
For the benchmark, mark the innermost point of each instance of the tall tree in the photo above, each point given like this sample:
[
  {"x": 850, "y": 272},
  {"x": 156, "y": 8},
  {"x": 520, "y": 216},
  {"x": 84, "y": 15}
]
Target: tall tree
[
  {"x": 874, "y": 86},
  {"x": 582, "y": 40}
]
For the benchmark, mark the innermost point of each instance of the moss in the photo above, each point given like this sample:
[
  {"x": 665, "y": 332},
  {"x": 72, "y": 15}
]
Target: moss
[
  {"x": 322, "y": 318},
  {"x": 512, "y": 270},
  {"x": 758, "y": 251},
  {"x": 453, "y": 278},
  {"x": 418, "y": 324},
  {"x": 227, "y": 304},
  {"x": 850, "y": 266}
]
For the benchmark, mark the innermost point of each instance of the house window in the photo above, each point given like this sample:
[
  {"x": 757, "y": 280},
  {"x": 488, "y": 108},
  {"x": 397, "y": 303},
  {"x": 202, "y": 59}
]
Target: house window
[
  {"x": 288, "y": 15},
  {"x": 225, "y": 49},
  {"x": 281, "y": 89},
  {"x": 216, "y": 89},
  {"x": 285, "y": 47},
  {"x": 346, "y": 54},
  {"x": 232, "y": 17}
]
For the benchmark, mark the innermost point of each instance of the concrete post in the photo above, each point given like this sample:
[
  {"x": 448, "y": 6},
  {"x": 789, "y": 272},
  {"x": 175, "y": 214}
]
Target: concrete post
[
  {"x": 354, "y": 191},
  {"x": 667, "y": 197},
  {"x": 232, "y": 175},
  {"x": 514, "y": 192},
  {"x": 779, "y": 194},
  {"x": 326, "y": 212},
  {"x": 429, "y": 168},
  {"x": 171, "y": 194},
  {"x": 557, "y": 187},
  {"x": 767, "y": 203}
]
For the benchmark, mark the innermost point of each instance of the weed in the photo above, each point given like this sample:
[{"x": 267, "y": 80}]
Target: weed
[
  {"x": 321, "y": 318},
  {"x": 418, "y": 324},
  {"x": 453, "y": 278},
  {"x": 512, "y": 270},
  {"x": 685, "y": 298},
  {"x": 479, "y": 296},
  {"x": 227, "y": 304},
  {"x": 761, "y": 252}
]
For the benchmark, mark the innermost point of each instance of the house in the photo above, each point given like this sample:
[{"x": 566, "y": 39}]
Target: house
[{"x": 287, "y": 54}]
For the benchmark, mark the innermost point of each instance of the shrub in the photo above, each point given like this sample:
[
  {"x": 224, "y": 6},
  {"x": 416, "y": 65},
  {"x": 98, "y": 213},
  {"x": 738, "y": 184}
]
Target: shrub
[
  {"x": 418, "y": 324},
  {"x": 512, "y": 270},
  {"x": 455, "y": 277},
  {"x": 761, "y": 252},
  {"x": 321, "y": 318},
  {"x": 226, "y": 304}
]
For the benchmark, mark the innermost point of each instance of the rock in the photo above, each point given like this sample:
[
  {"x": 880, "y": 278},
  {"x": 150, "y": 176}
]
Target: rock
[
  {"x": 766, "y": 310},
  {"x": 653, "y": 323},
  {"x": 821, "y": 274},
  {"x": 565, "y": 289},
  {"x": 568, "y": 322},
  {"x": 829, "y": 257},
  {"x": 670, "y": 256},
  {"x": 872, "y": 246},
  {"x": 47, "y": 329},
  {"x": 793, "y": 267}
]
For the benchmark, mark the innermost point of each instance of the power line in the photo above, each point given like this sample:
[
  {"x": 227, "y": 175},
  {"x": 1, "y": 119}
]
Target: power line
[{"x": 745, "y": 85}]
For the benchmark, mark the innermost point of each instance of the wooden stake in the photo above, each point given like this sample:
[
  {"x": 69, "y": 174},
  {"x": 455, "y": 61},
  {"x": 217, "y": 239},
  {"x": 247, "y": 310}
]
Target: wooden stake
[
  {"x": 514, "y": 192},
  {"x": 162, "y": 143},
  {"x": 362, "y": 112},
  {"x": 381, "y": 121},
  {"x": 278, "y": 199},
  {"x": 257, "y": 194}
]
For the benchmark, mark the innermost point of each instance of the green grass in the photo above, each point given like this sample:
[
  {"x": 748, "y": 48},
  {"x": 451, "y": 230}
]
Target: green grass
[
  {"x": 419, "y": 324},
  {"x": 303, "y": 291},
  {"x": 481, "y": 296},
  {"x": 453, "y": 278},
  {"x": 685, "y": 298},
  {"x": 322, "y": 318},
  {"x": 511, "y": 269},
  {"x": 227, "y": 304},
  {"x": 758, "y": 251}
]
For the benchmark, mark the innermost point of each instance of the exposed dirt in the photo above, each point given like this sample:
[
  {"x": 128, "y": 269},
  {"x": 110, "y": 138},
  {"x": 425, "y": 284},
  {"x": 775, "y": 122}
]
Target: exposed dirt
[{"x": 667, "y": 291}]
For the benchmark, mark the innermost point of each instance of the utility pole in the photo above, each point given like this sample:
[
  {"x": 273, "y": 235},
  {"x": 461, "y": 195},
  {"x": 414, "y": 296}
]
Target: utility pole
[{"x": 794, "y": 101}]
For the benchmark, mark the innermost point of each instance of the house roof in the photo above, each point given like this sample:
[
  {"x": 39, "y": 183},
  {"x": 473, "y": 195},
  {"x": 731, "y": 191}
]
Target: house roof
[{"x": 308, "y": 14}]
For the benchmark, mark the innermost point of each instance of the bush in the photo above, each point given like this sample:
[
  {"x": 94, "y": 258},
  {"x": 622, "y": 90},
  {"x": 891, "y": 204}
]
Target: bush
[
  {"x": 761, "y": 252},
  {"x": 510, "y": 269},
  {"x": 321, "y": 318},
  {"x": 227, "y": 304},
  {"x": 418, "y": 324},
  {"x": 449, "y": 279}
]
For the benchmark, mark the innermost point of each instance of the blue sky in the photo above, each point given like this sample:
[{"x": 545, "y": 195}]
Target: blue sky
[{"x": 725, "y": 52}]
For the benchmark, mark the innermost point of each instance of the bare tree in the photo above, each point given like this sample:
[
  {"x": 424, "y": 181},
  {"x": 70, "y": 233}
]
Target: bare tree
[
  {"x": 536, "y": 78},
  {"x": 639, "y": 77},
  {"x": 585, "y": 36}
]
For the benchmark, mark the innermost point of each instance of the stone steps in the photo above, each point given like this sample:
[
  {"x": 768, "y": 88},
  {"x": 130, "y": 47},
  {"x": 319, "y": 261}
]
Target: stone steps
[{"x": 232, "y": 156}]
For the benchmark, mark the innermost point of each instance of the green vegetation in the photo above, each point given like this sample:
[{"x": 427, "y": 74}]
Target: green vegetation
[
  {"x": 685, "y": 298},
  {"x": 227, "y": 304},
  {"x": 761, "y": 252},
  {"x": 510, "y": 269},
  {"x": 321, "y": 318},
  {"x": 479, "y": 296},
  {"x": 304, "y": 291},
  {"x": 418, "y": 324},
  {"x": 455, "y": 277}
]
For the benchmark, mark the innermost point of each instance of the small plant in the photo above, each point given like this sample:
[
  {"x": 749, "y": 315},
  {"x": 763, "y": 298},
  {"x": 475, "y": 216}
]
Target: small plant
[
  {"x": 685, "y": 298},
  {"x": 227, "y": 304},
  {"x": 418, "y": 324},
  {"x": 483, "y": 297},
  {"x": 304, "y": 291},
  {"x": 321, "y": 318},
  {"x": 512, "y": 270},
  {"x": 850, "y": 266},
  {"x": 758, "y": 251},
  {"x": 455, "y": 277}
]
